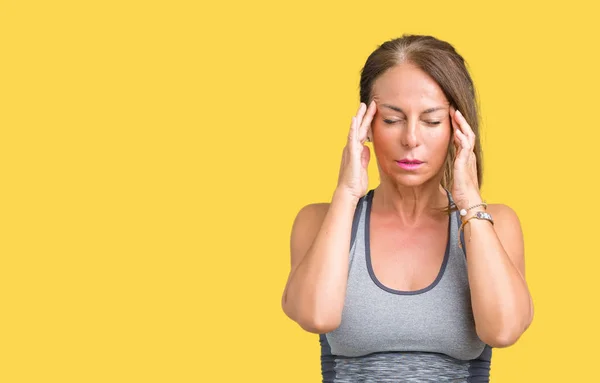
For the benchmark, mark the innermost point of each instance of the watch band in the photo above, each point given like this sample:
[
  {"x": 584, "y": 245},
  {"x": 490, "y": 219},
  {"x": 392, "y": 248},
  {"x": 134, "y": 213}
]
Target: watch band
[
  {"x": 484, "y": 215},
  {"x": 478, "y": 215}
]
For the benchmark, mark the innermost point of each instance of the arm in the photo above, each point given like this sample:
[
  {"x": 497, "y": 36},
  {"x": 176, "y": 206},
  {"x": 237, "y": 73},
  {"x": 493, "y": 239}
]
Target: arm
[
  {"x": 315, "y": 292},
  {"x": 502, "y": 304},
  {"x": 320, "y": 242}
]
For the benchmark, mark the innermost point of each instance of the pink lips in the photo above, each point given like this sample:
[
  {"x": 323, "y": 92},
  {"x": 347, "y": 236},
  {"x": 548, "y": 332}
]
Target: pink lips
[{"x": 408, "y": 164}]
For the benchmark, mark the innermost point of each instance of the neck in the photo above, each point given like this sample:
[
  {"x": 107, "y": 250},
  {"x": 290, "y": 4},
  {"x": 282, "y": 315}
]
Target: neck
[{"x": 411, "y": 204}]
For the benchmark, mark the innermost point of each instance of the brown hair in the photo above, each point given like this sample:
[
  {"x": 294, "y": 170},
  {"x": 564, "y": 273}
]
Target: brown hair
[{"x": 439, "y": 60}]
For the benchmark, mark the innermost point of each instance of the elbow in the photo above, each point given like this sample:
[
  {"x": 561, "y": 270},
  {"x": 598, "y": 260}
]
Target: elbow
[
  {"x": 313, "y": 323},
  {"x": 500, "y": 340},
  {"x": 320, "y": 327},
  {"x": 503, "y": 337},
  {"x": 505, "y": 333},
  {"x": 319, "y": 324}
]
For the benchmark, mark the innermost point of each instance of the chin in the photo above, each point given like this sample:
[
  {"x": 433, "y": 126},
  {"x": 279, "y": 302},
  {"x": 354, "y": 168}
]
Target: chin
[{"x": 411, "y": 179}]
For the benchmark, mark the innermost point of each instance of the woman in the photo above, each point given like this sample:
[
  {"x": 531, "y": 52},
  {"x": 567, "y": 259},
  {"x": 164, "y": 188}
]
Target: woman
[{"x": 418, "y": 279}]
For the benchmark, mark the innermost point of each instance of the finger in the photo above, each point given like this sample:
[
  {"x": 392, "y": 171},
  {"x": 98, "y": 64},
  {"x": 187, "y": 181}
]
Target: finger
[
  {"x": 466, "y": 130},
  {"x": 453, "y": 121},
  {"x": 457, "y": 143},
  {"x": 458, "y": 125},
  {"x": 455, "y": 128},
  {"x": 365, "y": 157},
  {"x": 361, "y": 112},
  {"x": 352, "y": 132},
  {"x": 366, "y": 122},
  {"x": 455, "y": 138},
  {"x": 463, "y": 139},
  {"x": 356, "y": 123},
  {"x": 462, "y": 121},
  {"x": 465, "y": 148},
  {"x": 465, "y": 127}
]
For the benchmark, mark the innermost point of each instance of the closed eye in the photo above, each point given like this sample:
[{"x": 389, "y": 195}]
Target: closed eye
[{"x": 389, "y": 122}]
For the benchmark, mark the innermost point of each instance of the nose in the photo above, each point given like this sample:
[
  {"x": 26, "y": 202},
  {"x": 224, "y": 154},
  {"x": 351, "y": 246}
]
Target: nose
[{"x": 409, "y": 135}]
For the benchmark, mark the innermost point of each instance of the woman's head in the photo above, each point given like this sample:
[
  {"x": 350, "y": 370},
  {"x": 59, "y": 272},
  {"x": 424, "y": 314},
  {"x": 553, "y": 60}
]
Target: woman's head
[{"x": 415, "y": 80}]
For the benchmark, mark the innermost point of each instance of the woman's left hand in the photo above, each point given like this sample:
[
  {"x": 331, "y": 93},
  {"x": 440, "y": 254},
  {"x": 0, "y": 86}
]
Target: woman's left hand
[{"x": 465, "y": 189}]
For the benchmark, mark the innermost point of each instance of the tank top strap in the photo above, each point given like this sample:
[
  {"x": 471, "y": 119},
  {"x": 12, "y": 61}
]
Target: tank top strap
[
  {"x": 357, "y": 215},
  {"x": 449, "y": 196}
]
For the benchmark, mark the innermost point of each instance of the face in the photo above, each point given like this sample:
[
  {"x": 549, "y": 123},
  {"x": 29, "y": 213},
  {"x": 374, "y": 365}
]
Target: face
[{"x": 412, "y": 122}]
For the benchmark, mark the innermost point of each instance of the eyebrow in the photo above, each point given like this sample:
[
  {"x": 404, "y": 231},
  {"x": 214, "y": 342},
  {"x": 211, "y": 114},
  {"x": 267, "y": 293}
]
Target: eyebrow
[{"x": 397, "y": 109}]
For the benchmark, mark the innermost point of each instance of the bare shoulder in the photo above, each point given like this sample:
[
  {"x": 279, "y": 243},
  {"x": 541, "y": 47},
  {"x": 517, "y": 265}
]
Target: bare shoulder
[
  {"x": 311, "y": 212},
  {"x": 305, "y": 228},
  {"x": 505, "y": 219},
  {"x": 306, "y": 225},
  {"x": 502, "y": 210},
  {"x": 508, "y": 228}
]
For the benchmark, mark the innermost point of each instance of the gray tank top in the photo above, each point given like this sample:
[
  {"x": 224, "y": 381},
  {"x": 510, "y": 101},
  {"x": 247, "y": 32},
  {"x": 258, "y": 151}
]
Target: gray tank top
[{"x": 416, "y": 336}]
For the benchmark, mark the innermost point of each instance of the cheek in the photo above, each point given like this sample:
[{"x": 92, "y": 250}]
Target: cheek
[
  {"x": 438, "y": 143},
  {"x": 437, "y": 137},
  {"x": 384, "y": 136}
]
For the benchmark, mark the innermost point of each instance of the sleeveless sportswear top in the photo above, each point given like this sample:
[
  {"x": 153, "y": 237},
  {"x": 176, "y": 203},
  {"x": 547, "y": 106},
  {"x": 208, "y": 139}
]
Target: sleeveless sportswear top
[{"x": 389, "y": 335}]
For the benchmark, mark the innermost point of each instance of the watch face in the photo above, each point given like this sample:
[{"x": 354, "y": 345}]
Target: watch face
[{"x": 484, "y": 215}]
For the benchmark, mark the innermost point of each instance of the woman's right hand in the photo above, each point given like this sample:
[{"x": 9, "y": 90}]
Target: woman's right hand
[{"x": 355, "y": 158}]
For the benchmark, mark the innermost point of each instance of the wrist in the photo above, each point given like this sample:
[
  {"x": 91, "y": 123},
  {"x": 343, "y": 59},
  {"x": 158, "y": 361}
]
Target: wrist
[
  {"x": 469, "y": 201},
  {"x": 469, "y": 207},
  {"x": 344, "y": 197},
  {"x": 475, "y": 217},
  {"x": 472, "y": 212}
]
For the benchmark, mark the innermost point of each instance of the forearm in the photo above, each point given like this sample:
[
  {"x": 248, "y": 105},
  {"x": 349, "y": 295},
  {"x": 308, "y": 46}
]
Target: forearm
[
  {"x": 499, "y": 295},
  {"x": 317, "y": 288}
]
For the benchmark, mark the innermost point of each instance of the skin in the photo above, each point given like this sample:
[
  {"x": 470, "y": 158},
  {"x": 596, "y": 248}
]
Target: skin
[{"x": 408, "y": 234}]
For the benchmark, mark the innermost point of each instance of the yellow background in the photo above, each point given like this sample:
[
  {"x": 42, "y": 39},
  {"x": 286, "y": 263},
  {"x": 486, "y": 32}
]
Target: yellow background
[{"x": 155, "y": 153}]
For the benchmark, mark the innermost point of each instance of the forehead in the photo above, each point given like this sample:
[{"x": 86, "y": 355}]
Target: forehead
[{"x": 408, "y": 85}]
